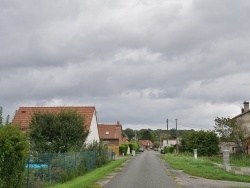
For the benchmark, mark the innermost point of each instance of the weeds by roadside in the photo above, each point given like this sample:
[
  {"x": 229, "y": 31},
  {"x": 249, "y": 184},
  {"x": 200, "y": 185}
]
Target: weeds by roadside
[
  {"x": 202, "y": 167},
  {"x": 88, "y": 180}
]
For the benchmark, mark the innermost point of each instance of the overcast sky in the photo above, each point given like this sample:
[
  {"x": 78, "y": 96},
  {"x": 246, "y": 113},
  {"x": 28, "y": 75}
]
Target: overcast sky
[{"x": 137, "y": 61}]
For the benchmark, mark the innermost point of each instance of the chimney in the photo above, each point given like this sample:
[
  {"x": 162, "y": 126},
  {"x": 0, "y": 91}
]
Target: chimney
[
  {"x": 118, "y": 122},
  {"x": 246, "y": 106}
]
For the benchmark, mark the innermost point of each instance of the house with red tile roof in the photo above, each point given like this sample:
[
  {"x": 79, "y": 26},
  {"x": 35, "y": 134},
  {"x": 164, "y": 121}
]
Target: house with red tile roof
[
  {"x": 24, "y": 115},
  {"x": 147, "y": 144},
  {"x": 111, "y": 134}
]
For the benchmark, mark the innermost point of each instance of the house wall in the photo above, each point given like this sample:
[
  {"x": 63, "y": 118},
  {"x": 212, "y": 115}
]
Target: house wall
[
  {"x": 244, "y": 122},
  {"x": 111, "y": 141},
  {"x": 93, "y": 131},
  {"x": 170, "y": 143}
]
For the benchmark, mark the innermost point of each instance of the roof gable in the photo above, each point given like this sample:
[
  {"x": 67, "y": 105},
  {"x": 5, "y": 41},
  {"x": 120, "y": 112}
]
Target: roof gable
[
  {"x": 24, "y": 114},
  {"x": 242, "y": 114}
]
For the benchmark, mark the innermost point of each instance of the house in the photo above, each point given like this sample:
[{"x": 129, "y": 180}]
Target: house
[
  {"x": 147, "y": 144},
  {"x": 111, "y": 134},
  {"x": 125, "y": 139},
  {"x": 243, "y": 121},
  {"x": 24, "y": 114},
  {"x": 169, "y": 142}
]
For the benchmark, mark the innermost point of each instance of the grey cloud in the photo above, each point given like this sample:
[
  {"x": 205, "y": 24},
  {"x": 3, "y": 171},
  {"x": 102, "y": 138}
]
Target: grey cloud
[{"x": 137, "y": 62}]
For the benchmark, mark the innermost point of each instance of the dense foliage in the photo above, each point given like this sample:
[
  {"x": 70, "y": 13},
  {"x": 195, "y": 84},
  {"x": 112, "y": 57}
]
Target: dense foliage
[
  {"x": 57, "y": 132},
  {"x": 123, "y": 148},
  {"x": 206, "y": 142},
  {"x": 14, "y": 150}
]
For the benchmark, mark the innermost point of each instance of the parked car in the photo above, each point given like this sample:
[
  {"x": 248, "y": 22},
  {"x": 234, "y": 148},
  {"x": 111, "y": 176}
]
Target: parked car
[
  {"x": 141, "y": 150},
  {"x": 156, "y": 149}
]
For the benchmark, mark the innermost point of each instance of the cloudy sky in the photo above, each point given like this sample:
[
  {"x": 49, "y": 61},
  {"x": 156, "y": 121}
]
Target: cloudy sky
[{"x": 137, "y": 61}]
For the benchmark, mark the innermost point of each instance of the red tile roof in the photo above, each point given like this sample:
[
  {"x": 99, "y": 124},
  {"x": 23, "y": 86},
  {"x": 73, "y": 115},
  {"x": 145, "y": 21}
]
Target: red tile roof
[
  {"x": 24, "y": 114},
  {"x": 110, "y": 131}
]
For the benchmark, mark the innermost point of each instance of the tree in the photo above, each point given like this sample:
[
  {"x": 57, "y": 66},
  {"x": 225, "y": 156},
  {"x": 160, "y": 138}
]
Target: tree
[
  {"x": 14, "y": 150},
  {"x": 206, "y": 142},
  {"x": 147, "y": 135},
  {"x": 7, "y": 121},
  {"x": 1, "y": 116},
  {"x": 129, "y": 133},
  {"x": 228, "y": 130},
  {"x": 57, "y": 132}
]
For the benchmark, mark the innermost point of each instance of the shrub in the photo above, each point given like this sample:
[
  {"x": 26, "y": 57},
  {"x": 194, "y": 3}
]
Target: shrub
[
  {"x": 123, "y": 148},
  {"x": 14, "y": 150},
  {"x": 206, "y": 142},
  {"x": 169, "y": 149},
  {"x": 133, "y": 146}
]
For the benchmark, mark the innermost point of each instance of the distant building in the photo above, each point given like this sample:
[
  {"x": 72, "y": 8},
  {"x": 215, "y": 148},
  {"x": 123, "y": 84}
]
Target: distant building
[
  {"x": 111, "y": 134},
  {"x": 169, "y": 142},
  {"x": 147, "y": 144}
]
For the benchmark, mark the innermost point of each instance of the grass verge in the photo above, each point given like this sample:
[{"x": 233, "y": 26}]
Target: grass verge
[
  {"x": 202, "y": 167},
  {"x": 88, "y": 180}
]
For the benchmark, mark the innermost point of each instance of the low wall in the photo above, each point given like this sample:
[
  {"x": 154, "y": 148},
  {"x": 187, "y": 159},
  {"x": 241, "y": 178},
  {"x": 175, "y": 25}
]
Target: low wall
[{"x": 236, "y": 170}]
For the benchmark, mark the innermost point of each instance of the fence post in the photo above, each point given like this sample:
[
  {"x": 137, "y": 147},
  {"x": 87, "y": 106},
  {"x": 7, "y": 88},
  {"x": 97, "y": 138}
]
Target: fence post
[{"x": 226, "y": 159}]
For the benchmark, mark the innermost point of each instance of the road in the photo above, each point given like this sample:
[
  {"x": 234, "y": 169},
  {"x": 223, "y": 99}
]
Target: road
[{"x": 144, "y": 171}]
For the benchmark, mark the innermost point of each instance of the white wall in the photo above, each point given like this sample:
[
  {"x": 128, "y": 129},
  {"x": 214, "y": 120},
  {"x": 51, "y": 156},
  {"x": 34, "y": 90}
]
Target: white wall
[
  {"x": 170, "y": 143},
  {"x": 93, "y": 131}
]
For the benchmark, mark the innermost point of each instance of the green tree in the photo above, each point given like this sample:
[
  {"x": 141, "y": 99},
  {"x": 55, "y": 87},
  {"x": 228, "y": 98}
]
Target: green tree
[
  {"x": 57, "y": 132},
  {"x": 14, "y": 150},
  {"x": 206, "y": 142},
  {"x": 228, "y": 130},
  {"x": 147, "y": 135},
  {"x": 130, "y": 133}
]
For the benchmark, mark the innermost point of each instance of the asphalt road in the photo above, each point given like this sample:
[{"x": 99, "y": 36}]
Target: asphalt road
[{"x": 144, "y": 171}]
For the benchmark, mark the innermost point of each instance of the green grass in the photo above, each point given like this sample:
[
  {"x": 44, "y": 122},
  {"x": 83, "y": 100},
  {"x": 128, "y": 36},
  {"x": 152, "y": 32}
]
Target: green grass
[
  {"x": 202, "y": 167},
  {"x": 88, "y": 180},
  {"x": 239, "y": 160}
]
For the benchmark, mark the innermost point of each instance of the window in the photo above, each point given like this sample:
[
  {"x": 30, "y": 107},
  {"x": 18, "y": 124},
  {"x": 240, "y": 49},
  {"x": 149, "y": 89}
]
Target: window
[{"x": 107, "y": 132}]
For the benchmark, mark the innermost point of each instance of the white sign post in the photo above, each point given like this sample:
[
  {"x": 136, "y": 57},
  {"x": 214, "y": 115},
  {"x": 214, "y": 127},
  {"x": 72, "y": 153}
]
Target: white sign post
[{"x": 195, "y": 153}]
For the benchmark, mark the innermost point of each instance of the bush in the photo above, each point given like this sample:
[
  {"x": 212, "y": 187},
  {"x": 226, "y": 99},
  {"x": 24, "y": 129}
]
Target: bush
[
  {"x": 14, "y": 150},
  {"x": 123, "y": 148},
  {"x": 133, "y": 146},
  {"x": 206, "y": 142},
  {"x": 169, "y": 149}
]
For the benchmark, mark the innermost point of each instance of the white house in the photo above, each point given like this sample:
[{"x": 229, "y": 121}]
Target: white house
[{"x": 24, "y": 115}]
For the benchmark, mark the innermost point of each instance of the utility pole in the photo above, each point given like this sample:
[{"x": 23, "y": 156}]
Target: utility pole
[
  {"x": 167, "y": 132},
  {"x": 176, "y": 137},
  {"x": 135, "y": 136}
]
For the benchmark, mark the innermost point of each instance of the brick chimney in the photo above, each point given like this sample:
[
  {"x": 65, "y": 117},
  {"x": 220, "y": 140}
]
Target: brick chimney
[{"x": 246, "y": 106}]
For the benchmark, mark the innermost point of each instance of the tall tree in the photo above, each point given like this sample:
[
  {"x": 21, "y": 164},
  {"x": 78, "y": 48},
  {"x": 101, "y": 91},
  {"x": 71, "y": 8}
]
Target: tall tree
[{"x": 57, "y": 132}]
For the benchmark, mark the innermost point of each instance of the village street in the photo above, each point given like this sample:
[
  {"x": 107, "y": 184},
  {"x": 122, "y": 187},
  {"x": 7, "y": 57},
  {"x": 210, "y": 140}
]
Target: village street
[
  {"x": 144, "y": 171},
  {"x": 147, "y": 170}
]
